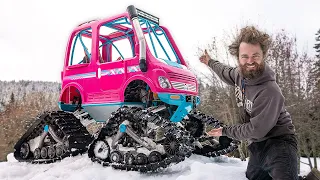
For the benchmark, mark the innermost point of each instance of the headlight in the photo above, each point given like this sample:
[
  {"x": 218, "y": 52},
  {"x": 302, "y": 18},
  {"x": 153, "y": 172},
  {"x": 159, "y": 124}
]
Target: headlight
[{"x": 164, "y": 82}]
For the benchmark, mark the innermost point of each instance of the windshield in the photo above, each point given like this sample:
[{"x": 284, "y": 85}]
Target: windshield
[{"x": 158, "y": 42}]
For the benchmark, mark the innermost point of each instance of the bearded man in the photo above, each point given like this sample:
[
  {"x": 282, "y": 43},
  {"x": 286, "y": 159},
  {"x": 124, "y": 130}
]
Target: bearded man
[{"x": 266, "y": 124}]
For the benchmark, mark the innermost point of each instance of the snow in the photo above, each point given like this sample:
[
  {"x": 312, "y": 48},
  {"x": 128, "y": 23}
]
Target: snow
[
  {"x": 304, "y": 168},
  {"x": 82, "y": 168}
]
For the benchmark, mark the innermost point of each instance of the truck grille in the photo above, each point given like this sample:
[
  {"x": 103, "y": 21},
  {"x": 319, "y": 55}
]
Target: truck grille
[
  {"x": 177, "y": 77},
  {"x": 183, "y": 86}
]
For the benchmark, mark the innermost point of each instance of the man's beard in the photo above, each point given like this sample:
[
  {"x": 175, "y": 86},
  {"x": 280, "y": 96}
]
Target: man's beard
[{"x": 253, "y": 73}]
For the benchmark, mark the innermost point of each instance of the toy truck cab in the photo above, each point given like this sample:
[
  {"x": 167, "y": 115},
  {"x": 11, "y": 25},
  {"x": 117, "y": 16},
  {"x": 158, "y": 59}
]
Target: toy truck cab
[{"x": 126, "y": 60}]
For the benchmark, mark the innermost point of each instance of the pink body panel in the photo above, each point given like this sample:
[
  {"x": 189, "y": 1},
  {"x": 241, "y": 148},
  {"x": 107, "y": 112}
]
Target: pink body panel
[{"x": 115, "y": 76}]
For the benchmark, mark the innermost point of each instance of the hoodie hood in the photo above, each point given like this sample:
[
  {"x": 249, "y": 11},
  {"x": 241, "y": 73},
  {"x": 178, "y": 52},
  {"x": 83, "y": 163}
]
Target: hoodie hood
[{"x": 267, "y": 75}]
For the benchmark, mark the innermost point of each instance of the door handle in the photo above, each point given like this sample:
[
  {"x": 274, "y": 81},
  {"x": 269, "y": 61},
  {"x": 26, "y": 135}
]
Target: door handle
[{"x": 98, "y": 73}]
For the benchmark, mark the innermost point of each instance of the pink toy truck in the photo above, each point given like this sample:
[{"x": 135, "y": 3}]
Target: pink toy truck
[{"x": 127, "y": 72}]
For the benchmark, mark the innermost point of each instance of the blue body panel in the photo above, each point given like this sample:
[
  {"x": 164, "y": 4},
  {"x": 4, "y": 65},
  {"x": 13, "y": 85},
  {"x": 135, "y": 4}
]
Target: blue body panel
[
  {"x": 102, "y": 112},
  {"x": 184, "y": 106}
]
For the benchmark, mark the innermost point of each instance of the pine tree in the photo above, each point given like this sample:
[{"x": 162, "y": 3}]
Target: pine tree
[
  {"x": 317, "y": 45},
  {"x": 315, "y": 79},
  {"x": 12, "y": 98},
  {"x": 315, "y": 71}
]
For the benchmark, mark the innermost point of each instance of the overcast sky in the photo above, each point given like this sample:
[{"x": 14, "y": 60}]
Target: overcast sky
[{"x": 34, "y": 33}]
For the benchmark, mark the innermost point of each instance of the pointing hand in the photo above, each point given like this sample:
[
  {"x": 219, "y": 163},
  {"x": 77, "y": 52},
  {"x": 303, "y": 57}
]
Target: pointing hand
[{"x": 205, "y": 58}]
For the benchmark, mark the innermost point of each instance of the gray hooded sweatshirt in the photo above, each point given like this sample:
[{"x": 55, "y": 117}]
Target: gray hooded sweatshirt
[{"x": 262, "y": 105}]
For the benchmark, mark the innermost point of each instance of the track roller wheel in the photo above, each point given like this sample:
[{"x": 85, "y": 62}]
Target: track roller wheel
[
  {"x": 44, "y": 153},
  {"x": 154, "y": 156},
  {"x": 59, "y": 150},
  {"x": 116, "y": 157},
  {"x": 129, "y": 158},
  {"x": 171, "y": 145},
  {"x": 37, "y": 153},
  {"x": 51, "y": 152},
  {"x": 25, "y": 150},
  {"x": 141, "y": 159},
  {"x": 101, "y": 149}
]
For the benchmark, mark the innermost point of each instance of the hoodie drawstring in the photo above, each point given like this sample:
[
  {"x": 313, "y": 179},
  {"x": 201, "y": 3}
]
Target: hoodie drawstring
[{"x": 243, "y": 90}]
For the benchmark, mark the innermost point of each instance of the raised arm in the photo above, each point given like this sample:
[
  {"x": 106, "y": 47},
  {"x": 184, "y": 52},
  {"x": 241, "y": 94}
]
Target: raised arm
[{"x": 225, "y": 73}]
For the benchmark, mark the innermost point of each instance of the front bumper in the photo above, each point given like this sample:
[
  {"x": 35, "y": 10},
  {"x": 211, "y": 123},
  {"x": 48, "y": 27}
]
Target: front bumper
[{"x": 185, "y": 104}]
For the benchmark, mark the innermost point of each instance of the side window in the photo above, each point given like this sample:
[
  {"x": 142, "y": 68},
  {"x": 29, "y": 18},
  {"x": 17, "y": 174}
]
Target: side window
[
  {"x": 80, "y": 52},
  {"x": 121, "y": 49},
  {"x": 102, "y": 59},
  {"x": 115, "y": 39}
]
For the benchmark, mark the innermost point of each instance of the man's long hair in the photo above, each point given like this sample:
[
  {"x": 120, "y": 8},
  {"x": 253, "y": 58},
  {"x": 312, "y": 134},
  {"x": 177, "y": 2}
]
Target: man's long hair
[{"x": 251, "y": 35}]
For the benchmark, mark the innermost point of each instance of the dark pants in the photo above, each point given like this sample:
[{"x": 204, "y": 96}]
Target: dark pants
[{"x": 275, "y": 158}]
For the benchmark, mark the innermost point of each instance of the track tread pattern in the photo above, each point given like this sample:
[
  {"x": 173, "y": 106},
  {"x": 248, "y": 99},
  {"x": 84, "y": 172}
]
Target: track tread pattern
[
  {"x": 197, "y": 121},
  {"x": 140, "y": 116},
  {"x": 77, "y": 135}
]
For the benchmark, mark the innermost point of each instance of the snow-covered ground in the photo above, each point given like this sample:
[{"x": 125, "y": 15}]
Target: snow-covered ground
[{"x": 81, "y": 168}]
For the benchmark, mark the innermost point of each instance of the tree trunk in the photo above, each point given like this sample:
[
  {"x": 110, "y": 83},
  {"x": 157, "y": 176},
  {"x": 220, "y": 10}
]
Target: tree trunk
[
  {"x": 309, "y": 160},
  {"x": 314, "y": 150},
  {"x": 299, "y": 157}
]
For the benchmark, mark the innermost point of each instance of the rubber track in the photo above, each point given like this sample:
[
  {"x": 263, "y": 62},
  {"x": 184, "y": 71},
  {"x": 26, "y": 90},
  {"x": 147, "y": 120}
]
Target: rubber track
[
  {"x": 226, "y": 145},
  {"x": 78, "y": 136},
  {"x": 138, "y": 115}
]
